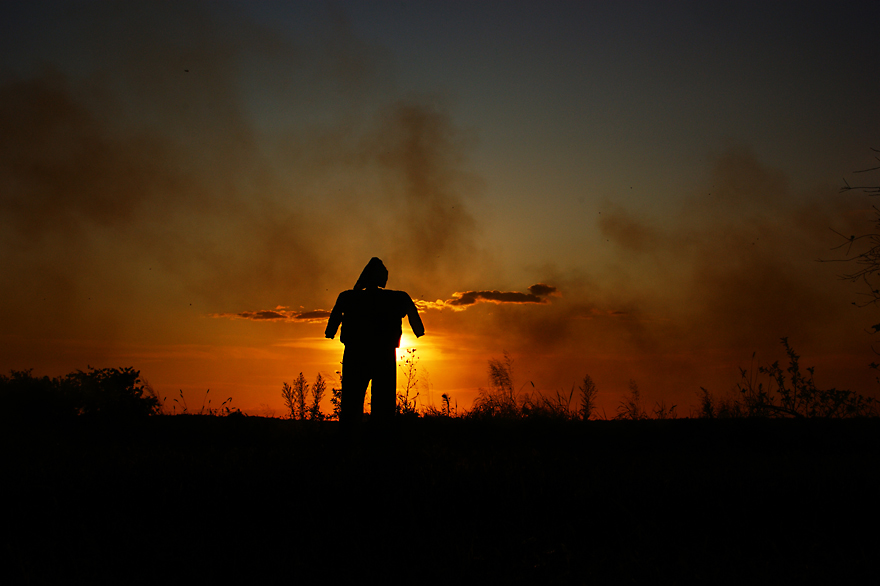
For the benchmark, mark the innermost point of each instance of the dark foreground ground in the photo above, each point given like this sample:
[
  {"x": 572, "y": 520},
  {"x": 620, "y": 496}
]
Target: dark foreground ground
[{"x": 208, "y": 499}]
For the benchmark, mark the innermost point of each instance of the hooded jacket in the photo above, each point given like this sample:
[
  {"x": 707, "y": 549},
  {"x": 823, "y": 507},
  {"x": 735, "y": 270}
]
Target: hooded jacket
[{"x": 371, "y": 315}]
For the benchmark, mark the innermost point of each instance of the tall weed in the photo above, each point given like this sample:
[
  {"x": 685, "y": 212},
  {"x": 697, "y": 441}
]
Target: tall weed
[
  {"x": 631, "y": 405},
  {"x": 407, "y": 400},
  {"x": 788, "y": 392},
  {"x": 588, "y": 394},
  {"x": 296, "y": 398}
]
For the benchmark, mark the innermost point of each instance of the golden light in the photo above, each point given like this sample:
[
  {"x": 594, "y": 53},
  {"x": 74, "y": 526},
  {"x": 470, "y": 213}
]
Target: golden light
[{"x": 408, "y": 341}]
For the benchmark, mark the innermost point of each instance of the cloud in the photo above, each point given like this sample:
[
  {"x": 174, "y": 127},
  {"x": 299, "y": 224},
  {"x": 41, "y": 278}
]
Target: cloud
[
  {"x": 316, "y": 315},
  {"x": 280, "y": 313},
  {"x": 538, "y": 293},
  {"x": 542, "y": 290},
  {"x": 261, "y": 315}
]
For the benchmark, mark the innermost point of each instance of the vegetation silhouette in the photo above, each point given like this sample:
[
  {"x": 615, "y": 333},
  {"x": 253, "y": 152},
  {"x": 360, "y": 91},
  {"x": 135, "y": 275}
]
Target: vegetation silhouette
[
  {"x": 588, "y": 394},
  {"x": 370, "y": 316},
  {"x": 502, "y": 401},
  {"x": 407, "y": 400},
  {"x": 864, "y": 250},
  {"x": 631, "y": 405},
  {"x": 296, "y": 398},
  {"x": 106, "y": 393},
  {"x": 521, "y": 488},
  {"x": 519, "y": 501},
  {"x": 787, "y": 393},
  {"x": 205, "y": 409}
]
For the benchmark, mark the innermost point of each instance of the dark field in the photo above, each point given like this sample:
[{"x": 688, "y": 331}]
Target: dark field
[{"x": 201, "y": 499}]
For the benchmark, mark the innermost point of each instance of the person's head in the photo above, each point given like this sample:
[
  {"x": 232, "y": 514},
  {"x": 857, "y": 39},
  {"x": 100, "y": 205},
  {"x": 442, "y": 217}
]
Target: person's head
[{"x": 374, "y": 275}]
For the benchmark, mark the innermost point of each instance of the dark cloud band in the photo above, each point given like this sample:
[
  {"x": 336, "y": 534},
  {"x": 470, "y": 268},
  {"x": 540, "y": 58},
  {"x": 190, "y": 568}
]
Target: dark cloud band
[
  {"x": 537, "y": 294},
  {"x": 279, "y": 314}
]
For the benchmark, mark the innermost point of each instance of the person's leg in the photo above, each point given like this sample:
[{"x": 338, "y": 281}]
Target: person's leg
[
  {"x": 384, "y": 390},
  {"x": 355, "y": 378}
]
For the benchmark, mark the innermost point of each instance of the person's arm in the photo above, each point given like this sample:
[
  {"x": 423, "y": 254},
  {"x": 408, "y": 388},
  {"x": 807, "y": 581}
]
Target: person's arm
[
  {"x": 415, "y": 322},
  {"x": 335, "y": 318}
]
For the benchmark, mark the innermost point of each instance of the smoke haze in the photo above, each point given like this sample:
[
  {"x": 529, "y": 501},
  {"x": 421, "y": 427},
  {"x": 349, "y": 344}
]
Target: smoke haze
[
  {"x": 164, "y": 163},
  {"x": 156, "y": 160}
]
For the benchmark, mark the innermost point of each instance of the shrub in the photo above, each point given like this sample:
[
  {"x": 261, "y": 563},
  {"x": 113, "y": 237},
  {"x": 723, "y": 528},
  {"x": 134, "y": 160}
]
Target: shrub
[{"x": 106, "y": 392}]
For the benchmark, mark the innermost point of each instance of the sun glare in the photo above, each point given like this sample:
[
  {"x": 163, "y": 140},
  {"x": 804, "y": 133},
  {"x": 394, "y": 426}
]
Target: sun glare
[
  {"x": 407, "y": 341},
  {"x": 425, "y": 346}
]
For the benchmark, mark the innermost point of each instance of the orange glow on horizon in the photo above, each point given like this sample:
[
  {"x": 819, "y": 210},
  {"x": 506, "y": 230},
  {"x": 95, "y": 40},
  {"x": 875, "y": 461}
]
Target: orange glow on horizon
[{"x": 408, "y": 341}]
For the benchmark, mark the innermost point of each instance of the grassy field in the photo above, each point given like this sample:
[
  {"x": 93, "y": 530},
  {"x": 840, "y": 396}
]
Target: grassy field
[{"x": 440, "y": 500}]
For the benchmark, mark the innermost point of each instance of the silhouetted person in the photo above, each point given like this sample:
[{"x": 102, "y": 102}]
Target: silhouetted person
[{"x": 371, "y": 328}]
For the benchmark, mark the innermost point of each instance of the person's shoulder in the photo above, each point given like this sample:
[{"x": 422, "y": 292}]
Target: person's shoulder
[
  {"x": 347, "y": 294},
  {"x": 398, "y": 296}
]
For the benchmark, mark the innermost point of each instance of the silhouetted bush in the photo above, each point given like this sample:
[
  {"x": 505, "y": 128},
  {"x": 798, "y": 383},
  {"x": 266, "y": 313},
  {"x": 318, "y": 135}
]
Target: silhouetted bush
[
  {"x": 105, "y": 393},
  {"x": 24, "y": 396}
]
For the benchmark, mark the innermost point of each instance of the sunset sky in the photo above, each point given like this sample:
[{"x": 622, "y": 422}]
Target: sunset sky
[{"x": 630, "y": 190}]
